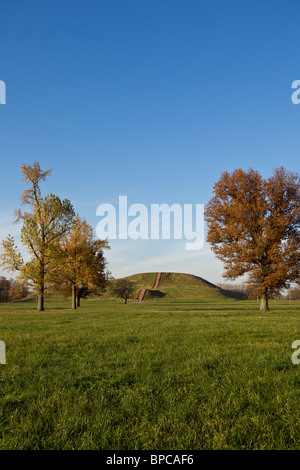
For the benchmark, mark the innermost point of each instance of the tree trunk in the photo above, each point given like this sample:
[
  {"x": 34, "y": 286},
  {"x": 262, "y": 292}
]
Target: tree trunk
[
  {"x": 264, "y": 305},
  {"x": 74, "y": 297},
  {"x": 40, "y": 304},
  {"x": 126, "y": 301},
  {"x": 78, "y": 300}
]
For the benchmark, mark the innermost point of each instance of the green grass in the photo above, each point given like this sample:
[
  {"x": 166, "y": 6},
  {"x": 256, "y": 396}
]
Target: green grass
[{"x": 156, "y": 375}]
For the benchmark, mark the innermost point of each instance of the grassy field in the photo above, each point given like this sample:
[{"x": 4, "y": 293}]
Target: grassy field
[{"x": 184, "y": 375}]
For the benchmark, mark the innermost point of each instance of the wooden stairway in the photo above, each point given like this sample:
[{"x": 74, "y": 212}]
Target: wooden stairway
[
  {"x": 141, "y": 295},
  {"x": 157, "y": 279},
  {"x": 142, "y": 292}
]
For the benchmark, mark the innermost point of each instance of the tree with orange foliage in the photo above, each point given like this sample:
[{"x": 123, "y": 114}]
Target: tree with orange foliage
[{"x": 254, "y": 228}]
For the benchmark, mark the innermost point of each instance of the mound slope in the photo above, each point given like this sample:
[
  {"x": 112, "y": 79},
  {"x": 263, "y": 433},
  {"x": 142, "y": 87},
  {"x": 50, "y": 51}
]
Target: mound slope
[{"x": 179, "y": 287}]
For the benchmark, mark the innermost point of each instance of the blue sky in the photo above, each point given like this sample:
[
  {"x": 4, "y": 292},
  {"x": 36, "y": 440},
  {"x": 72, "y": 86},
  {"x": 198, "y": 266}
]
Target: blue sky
[{"x": 149, "y": 99}]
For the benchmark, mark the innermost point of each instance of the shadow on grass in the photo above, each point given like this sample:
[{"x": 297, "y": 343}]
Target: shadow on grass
[
  {"x": 233, "y": 295},
  {"x": 155, "y": 294}
]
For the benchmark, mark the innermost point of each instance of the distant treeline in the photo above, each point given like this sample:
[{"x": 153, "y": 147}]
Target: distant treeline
[
  {"x": 292, "y": 294},
  {"x": 244, "y": 289},
  {"x": 10, "y": 289}
]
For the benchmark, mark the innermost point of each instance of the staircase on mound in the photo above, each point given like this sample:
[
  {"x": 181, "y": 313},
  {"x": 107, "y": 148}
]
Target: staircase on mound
[
  {"x": 142, "y": 292},
  {"x": 157, "y": 279},
  {"x": 141, "y": 295}
]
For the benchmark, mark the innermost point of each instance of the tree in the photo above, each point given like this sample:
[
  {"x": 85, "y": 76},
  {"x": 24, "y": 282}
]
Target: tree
[
  {"x": 12, "y": 289},
  {"x": 101, "y": 277},
  {"x": 241, "y": 288},
  {"x": 123, "y": 288},
  {"x": 44, "y": 224},
  {"x": 5, "y": 285},
  {"x": 80, "y": 265},
  {"x": 18, "y": 289},
  {"x": 293, "y": 294},
  {"x": 253, "y": 227}
]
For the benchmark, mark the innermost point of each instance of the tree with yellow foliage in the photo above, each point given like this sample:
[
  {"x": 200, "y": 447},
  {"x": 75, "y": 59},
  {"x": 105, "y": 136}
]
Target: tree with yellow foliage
[
  {"x": 43, "y": 225},
  {"x": 80, "y": 266}
]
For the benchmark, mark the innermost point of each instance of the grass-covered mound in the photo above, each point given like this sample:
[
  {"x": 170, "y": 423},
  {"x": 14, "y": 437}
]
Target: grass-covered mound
[{"x": 179, "y": 287}]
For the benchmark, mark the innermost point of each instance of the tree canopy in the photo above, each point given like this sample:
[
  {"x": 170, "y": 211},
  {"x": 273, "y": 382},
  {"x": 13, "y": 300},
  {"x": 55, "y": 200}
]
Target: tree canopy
[
  {"x": 80, "y": 264},
  {"x": 43, "y": 226},
  {"x": 254, "y": 228},
  {"x": 123, "y": 288}
]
